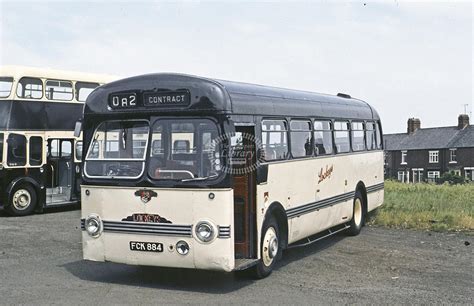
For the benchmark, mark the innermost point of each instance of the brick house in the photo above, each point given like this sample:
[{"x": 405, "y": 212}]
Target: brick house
[{"x": 422, "y": 155}]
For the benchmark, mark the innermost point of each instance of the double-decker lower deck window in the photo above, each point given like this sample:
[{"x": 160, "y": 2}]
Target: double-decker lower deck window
[
  {"x": 341, "y": 136},
  {"x": 112, "y": 152},
  {"x": 5, "y": 86},
  {"x": 185, "y": 150},
  {"x": 274, "y": 139},
  {"x": 16, "y": 150},
  {"x": 36, "y": 150},
  {"x": 322, "y": 137},
  {"x": 1, "y": 147}
]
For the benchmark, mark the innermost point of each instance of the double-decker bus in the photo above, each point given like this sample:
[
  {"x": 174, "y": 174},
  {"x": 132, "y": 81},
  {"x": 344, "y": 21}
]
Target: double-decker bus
[
  {"x": 191, "y": 172},
  {"x": 39, "y": 155}
]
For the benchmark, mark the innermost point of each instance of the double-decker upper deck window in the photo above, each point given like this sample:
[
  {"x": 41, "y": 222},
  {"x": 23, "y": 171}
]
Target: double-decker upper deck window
[
  {"x": 274, "y": 139},
  {"x": 301, "y": 138},
  {"x": 370, "y": 136},
  {"x": 322, "y": 137},
  {"x": 84, "y": 89},
  {"x": 36, "y": 150},
  {"x": 116, "y": 150},
  {"x": 59, "y": 90},
  {"x": 185, "y": 150},
  {"x": 358, "y": 140},
  {"x": 5, "y": 86},
  {"x": 16, "y": 150},
  {"x": 30, "y": 88},
  {"x": 341, "y": 136}
]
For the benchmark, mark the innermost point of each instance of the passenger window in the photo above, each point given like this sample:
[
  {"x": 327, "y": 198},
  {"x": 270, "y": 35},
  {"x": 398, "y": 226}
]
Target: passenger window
[
  {"x": 1, "y": 147},
  {"x": 378, "y": 135},
  {"x": 84, "y": 89},
  {"x": 370, "y": 136},
  {"x": 53, "y": 148},
  {"x": 36, "y": 151},
  {"x": 341, "y": 136},
  {"x": 66, "y": 148},
  {"x": 58, "y": 90},
  {"x": 301, "y": 138},
  {"x": 5, "y": 86},
  {"x": 30, "y": 88},
  {"x": 16, "y": 150},
  {"x": 274, "y": 139},
  {"x": 357, "y": 133},
  {"x": 79, "y": 150},
  {"x": 322, "y": 138}
]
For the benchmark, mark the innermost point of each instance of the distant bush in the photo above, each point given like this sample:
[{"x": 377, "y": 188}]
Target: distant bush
[{"x": 451, "y": 178}]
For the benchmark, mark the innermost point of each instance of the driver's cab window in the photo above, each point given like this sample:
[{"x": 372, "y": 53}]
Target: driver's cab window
[{"x": 16, "y": 150}]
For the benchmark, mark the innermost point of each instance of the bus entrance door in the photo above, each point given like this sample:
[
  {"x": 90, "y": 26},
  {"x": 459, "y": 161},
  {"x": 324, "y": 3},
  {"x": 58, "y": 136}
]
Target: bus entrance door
[
  {"x": 60, "y": 171},
  {"x": 243, "y": 173}
]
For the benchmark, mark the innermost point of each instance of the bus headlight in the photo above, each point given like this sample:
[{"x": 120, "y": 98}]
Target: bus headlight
[
  {"x": 204, "y": 231},
  {"x": 93, "y": 225}
]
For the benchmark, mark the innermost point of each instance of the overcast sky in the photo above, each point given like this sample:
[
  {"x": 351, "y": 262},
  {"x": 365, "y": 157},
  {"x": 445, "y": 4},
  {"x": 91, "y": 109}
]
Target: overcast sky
[{"x": 406, "y": 59}]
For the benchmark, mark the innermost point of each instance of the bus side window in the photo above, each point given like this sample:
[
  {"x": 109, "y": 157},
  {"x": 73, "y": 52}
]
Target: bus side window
[
  {"x": 16, "y": 150},
  {"x": 274, "y": 139},
  {"x": 370, "y": 135},
  {"x": 79, "y": 150},
  {"x": 341, "y": 136},
  {"x": 84, "y": 89},
  {"x": 66, "y": 148},
  {"x": 31, "y": 88},
  {"x": 53, "y": 148},
  {"x": 322, "y": 138},
  {"x": 357, "y": 134},
  {"x": 301, "y": 138},
  {"x": 36, "y": 150},
  {"x": 378, "y": 135},
  {"x": 1, "y": 147}
]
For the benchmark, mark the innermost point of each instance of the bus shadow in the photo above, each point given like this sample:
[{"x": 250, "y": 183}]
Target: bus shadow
[
  {"x": 298, "y": 253},
  {"x": 185, "y": 279},
  {"x": 47, "y": 210},
  {"x": 159, "y": 278}
]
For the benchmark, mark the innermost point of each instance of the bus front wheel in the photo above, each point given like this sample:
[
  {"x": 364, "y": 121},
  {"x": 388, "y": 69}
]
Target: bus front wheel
[
  {"x": 22, "y": 200},
  {"x": 358, "y": 215},
  {"x": 270, "y": 249}
]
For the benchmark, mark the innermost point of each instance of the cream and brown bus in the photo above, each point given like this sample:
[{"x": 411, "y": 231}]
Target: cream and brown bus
[
  {"x": 39, "y": 155},
  {"x": 190, "y": 172}
]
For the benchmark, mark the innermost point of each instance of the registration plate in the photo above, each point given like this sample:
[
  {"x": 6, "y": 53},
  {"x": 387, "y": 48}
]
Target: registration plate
[{"x": 146, "y": 246}]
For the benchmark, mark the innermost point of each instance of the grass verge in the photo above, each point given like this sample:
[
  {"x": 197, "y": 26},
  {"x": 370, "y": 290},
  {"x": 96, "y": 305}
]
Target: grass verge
[{"x": 427, "y": 207}]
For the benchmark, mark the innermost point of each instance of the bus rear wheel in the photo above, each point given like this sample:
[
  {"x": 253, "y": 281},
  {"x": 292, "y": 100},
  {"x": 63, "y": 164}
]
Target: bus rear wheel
[
  {"x": 270, "y": 249},
  {"x": 358, "y": 215},
  {"x": 22, "y": 200}
]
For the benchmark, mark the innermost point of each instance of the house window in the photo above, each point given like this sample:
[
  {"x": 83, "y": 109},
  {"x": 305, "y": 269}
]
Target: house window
[
  {"x": 433, "y": 176},
  {"x": 452, "y": 156},
  {"x": 404, "y": 176},
  {"x": 404, "y": 158},
  {"x": 417, "y": 175},
  {"x": 469, "y": 173},
  {"x": 434, "y": 157}
]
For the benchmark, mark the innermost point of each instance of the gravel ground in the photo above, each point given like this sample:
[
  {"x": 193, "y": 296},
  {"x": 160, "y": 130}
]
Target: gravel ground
[{"x": 41, "y": 263}]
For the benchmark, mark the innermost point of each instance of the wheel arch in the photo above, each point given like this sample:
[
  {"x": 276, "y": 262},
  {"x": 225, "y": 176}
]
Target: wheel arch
[
  {"x": 276, "y": 210},
  {"x": 363, "y": 190}
]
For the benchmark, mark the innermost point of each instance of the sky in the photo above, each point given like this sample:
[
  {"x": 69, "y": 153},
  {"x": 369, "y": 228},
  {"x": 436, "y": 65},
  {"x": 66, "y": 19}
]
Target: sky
[{"x": 407, "y": 59}]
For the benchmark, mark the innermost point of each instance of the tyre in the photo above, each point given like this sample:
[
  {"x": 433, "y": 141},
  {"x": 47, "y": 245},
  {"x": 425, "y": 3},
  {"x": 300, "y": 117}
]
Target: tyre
[
  {"x": 22, "y": 200},
  {"x": 358, "y": 215},
  {"x": 270, "y": 249}
]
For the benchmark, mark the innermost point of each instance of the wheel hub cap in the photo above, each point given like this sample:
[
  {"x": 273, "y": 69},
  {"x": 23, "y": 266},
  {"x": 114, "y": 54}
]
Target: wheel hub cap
[
  {"x": 270, "y": 246},
  {"x": 21, "y": 199}
]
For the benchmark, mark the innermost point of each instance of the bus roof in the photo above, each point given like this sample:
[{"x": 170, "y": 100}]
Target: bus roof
[
  {"x": 18, "y": 72},
  {"x": 215, "y": 95}
]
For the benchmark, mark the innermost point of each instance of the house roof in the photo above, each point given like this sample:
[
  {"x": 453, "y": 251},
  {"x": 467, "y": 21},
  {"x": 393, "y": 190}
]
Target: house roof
[{"x": 431, "y": 138}]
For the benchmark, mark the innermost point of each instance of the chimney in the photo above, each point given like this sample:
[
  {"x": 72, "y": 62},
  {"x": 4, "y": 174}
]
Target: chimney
[
  {"x": 413, "y": 125},
  {"x": 463, "y": 121}
]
